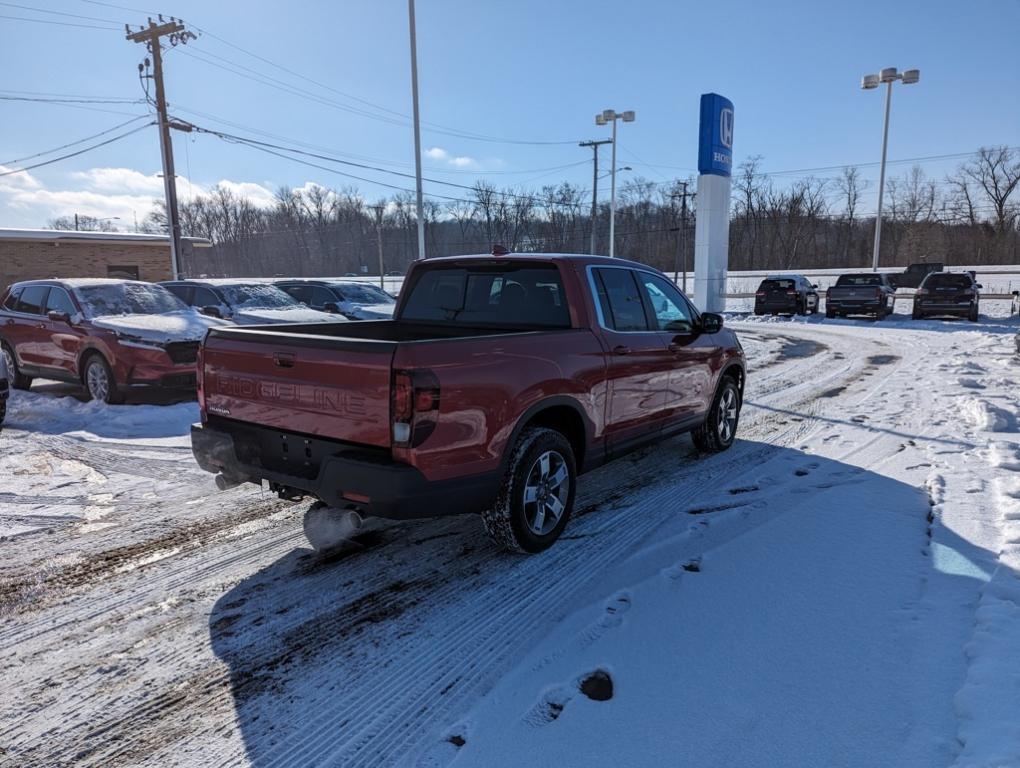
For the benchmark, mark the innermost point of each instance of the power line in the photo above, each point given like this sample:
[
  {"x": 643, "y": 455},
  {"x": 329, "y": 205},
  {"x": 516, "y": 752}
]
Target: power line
[
  {"x": 73, "y": 143},
  {"x": 79, "y": 152},
  {"x": 58, "y": 13},
  {"x": 48, "y": 100},
  {"x": 58, "y": 23},
  {"x": 263, "y": 144}
]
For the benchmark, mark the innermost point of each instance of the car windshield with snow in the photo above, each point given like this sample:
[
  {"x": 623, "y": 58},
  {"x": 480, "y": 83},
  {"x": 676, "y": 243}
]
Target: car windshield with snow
[
  {"x": 246, "y": 302},
  {"x": 127, "y": 299}
]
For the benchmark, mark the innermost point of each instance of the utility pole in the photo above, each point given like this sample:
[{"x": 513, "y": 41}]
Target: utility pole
[
  {"x": 682, "y": 254},
  {"x": 379, "y": 208},
  {"x": 417, "y": 131},
  {"x": 594, "y": 183},
  {"x": 151, "y": 35}
]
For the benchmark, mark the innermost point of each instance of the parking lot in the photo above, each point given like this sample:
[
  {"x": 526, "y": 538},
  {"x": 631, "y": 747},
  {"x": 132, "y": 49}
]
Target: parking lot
[{"x": 149, "y": 619}]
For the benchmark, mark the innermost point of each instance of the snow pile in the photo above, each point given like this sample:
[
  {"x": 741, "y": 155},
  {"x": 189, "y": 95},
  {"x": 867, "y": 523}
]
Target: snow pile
[{"x": 985, "y": 416}]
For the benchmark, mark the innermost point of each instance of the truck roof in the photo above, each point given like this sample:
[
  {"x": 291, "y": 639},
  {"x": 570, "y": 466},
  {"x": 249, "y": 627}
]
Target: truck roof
[{"x": 577, "y": 258}]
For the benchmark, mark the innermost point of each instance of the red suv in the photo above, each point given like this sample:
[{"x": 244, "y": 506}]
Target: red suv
[{"x": 109, "y": 335}]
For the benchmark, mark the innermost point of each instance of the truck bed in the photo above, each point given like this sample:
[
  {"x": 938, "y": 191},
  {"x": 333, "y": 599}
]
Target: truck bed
[{"x": 377, "y": 331}]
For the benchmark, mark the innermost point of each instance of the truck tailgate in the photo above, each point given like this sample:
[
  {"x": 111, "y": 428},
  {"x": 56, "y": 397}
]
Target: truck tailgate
[{"x": 328, "y": 387}]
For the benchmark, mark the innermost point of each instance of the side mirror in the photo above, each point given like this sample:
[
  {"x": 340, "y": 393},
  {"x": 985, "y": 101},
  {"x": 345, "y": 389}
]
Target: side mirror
[
  {"x": 58, "y": 316},
  {"x": 711, "y": 322},
  {"x": 814, "y": 285},
  {"x": 978, "y": 285},
  {"x": 1016, "y": 293},
  {"x": 211, "y": 311},
  {"x": 332, "y": 307}
]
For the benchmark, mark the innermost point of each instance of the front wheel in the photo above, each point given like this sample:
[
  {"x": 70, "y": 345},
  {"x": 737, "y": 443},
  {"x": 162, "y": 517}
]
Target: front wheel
[
  {"x": 720, "y": 428},
  {"x": 536, "y": 496},
  {"x": 100, "y": 383}
]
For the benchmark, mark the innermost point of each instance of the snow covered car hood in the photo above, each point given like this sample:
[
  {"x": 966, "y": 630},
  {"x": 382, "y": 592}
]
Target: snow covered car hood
[
  {"x": 295, "y": 315},
  {"x": 161, "y": 329},
  {"x": 372, "y": 311}
]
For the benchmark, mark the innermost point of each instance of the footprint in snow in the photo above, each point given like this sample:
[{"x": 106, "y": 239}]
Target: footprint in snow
[
  {"x": 806, "y": 469},
  {"x": 596, "y": 685}
]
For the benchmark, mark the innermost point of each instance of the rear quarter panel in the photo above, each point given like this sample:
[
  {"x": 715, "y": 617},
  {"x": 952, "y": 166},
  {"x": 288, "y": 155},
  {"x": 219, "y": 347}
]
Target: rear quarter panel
[{"x": 488, "y": 383}]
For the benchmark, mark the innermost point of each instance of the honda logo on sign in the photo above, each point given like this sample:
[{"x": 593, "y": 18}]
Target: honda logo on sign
[{"x": 726, "y": 127}]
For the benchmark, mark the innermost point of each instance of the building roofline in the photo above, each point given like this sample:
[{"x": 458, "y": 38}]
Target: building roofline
[{"x": 57, "y": 236}]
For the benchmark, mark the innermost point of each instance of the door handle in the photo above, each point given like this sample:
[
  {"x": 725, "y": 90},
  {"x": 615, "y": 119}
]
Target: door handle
[{"x": 621, "y": 350}]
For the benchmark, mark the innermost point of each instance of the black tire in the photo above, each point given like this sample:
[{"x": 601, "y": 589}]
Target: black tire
[
  {"x": 758, "y": 312},
  {"x": 830, "y": 313},
  {"x": 801, "y": 308},
  {"x": 3, "y": 413},
  {"x": 817, "y": 307},
  {"x": 915, "y": 315},
  {"x": 96, "y": 369},
  {"x": 511, "y": 521},
  {"x": 973, "y": 315},
  {"x": 18, "y": 380},
  {"x": 710, "y": 437}
]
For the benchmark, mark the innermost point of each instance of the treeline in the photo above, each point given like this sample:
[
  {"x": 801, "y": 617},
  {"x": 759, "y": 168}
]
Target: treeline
[{"x": 970, "y": 216}]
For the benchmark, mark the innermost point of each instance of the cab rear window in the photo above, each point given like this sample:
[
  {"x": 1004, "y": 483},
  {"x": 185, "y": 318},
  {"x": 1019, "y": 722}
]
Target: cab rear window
[
  {"x": 505, "y": 296},
  {"x": 777, "y": 285}
]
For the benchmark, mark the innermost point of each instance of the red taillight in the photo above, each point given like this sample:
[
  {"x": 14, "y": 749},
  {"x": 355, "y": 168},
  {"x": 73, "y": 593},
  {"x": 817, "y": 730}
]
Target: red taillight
[
  {"x": 878, "y": 293},
  {"x": 403, "y": 391},
  {"x": 415, "y": 406},
  {"x": 759, "y": 293},
  {"x": 923, "y": 291}
]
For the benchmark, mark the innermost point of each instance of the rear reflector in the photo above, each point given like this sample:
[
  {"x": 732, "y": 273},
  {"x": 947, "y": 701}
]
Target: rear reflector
[{"x": 357, "y": 498}]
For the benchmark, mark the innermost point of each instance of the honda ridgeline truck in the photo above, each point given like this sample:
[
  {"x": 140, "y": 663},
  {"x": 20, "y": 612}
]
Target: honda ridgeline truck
[{"x": 499, "y": 381}]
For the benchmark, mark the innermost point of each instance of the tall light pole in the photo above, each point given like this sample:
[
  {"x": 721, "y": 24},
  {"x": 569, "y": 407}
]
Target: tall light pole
[
  {"x": 417, "y": 131},
  {"x": 611, "y": 116},
  {"x": 889, "y": 75}
]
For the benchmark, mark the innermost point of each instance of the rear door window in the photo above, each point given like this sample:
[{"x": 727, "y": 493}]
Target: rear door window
[
  {"x": 620, "y": 300},
  {"x": 33, "y": 299}
]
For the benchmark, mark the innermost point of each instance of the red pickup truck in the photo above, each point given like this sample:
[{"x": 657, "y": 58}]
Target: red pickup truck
[{"x": 499, "y": 380}]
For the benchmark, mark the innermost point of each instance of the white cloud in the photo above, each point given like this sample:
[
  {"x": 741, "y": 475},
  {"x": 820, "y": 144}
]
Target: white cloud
[
  {"x": 259, "y": 195},
  {"x": 23, "y": 180},
  {"x": 457, "y": 161},
  {"x": 121, "y": 180}
]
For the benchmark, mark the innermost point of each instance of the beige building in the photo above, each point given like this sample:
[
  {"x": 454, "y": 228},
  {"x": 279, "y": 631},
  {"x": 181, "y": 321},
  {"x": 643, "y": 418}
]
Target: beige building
[{"x": 31, "y": 254}]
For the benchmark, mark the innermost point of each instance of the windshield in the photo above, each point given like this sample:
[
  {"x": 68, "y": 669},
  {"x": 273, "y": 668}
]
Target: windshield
[
  {"x": 509, "y": 296},
  {"x": 127, "y": 299},
  {"x": 858, "y": 280},
  {"x": 256, "y": 296},
  {"x": 363, "y": 294}
]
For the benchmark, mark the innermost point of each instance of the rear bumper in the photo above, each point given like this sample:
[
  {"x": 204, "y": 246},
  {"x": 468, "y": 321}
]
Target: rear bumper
[
  {"x": 943, "y": 307},
  {"x": 340, "y": 474},
  {"x": 853, "y": 307},
  {"x": 776, "y": 305}
]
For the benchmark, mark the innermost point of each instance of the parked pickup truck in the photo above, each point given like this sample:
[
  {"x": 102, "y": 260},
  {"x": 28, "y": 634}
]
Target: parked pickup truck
[
  {"x": 499, "y": 380},
  {"x": 914, "y": 275},
  {"x": 867, "y": 293}
]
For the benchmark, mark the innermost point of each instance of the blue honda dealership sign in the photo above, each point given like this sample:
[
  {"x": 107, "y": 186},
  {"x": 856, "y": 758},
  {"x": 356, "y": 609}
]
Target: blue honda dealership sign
[{"x": 715, "y": 144}]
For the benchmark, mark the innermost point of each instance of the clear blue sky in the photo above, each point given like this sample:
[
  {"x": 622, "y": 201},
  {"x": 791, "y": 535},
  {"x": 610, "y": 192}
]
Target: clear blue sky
[{"x": 530, "y": 70}]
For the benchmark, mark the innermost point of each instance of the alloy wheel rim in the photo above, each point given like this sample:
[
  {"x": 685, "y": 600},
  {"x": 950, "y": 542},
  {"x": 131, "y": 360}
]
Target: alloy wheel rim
[
  {"x": 727, "y": 415},
  {"x": 546, "y": 491},
  {"x": 99, "y": 384}
]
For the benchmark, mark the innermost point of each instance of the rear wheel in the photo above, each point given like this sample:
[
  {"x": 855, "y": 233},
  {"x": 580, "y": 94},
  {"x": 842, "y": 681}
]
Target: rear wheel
[
  {"x": 720, "y": 428},
  {"x": 916, "y": 315},
  {"x": 800, "y": 310},
  {"x": 99, "y": 381},
  {"x": 18, "y": 380},
  {"x": 536, "y": 497},
  {"x": 973, "y": 316},
  {"x": 830, "y": 313}
]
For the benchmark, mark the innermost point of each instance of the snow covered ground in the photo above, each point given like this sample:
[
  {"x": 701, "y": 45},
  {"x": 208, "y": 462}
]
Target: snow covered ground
[{"x": 840, "y": 588}]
